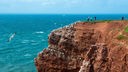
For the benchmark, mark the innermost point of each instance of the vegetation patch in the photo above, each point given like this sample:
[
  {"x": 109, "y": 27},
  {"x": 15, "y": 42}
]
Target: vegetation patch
[
  {"x": 126, "y": 29},
  {"x": 121, "y": 37},
  {"x": 92, "y": 21},
  {"x": 103, "y": 20}
]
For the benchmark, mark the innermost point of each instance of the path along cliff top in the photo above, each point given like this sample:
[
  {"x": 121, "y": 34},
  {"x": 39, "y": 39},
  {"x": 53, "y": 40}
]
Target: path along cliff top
[{"x": 117, "y": 27}]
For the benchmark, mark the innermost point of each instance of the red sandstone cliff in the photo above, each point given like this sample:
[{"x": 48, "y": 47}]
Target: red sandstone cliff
[{"x": 86, "y": 47}]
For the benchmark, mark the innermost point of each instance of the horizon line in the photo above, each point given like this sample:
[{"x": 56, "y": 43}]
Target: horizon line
[{"x": 62, "y": 13}]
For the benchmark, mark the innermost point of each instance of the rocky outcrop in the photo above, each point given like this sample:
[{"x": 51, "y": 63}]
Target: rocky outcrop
[{"x": 85, "y": 47}]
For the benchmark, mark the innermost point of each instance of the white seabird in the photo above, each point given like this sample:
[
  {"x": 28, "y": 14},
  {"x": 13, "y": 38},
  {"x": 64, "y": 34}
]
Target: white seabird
[{"x": 11, "y": 37}]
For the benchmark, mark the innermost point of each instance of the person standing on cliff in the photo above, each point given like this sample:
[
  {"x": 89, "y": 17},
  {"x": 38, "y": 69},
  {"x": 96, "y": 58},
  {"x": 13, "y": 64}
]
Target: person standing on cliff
[
  {"x": 88, "y": 19},
  {"x": 122, "y": 18},
  {"x": 91, "y": 19},
  {"x": 95, "y": 18}
]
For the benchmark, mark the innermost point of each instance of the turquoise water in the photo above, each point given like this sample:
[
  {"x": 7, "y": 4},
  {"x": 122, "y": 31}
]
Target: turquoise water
[{"x": 31, "y": 37}]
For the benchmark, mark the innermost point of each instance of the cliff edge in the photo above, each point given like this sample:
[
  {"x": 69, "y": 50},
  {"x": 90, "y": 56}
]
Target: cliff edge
[{"x": 86, "y": 47}]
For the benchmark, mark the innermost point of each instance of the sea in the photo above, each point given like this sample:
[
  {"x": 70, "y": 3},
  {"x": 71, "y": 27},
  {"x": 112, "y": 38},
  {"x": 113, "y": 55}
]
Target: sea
[{"x": 31, "y": 36}]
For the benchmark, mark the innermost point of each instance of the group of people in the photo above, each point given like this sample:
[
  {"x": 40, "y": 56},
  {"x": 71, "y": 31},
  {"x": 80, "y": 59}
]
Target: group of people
[
  {"x": 91, "y": 19},
  {"x": 94, "y": 18}
]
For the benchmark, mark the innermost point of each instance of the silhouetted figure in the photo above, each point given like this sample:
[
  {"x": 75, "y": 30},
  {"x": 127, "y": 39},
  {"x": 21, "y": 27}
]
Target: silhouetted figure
[
  {"x": 122, "y": 18},
  {"x": 95, "y": 18},
  {"x": 91, "y": 19},
  {"x": 88, "y": 19}
]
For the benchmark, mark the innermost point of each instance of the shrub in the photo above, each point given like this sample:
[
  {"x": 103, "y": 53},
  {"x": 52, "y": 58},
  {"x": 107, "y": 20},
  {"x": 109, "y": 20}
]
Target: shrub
[
  {"x": 120, "y": 37},
  {"x": 126, "y": 29},
  {"x": 103, "y": 21}
]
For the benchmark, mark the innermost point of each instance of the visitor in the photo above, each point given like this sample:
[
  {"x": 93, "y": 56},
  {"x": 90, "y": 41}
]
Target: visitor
[
  {"x": 88, "y": 19},
  {"x": 95, "y": 18},
  {"x": 122, "y": 18},
  {"x": 91, "y": 19}
]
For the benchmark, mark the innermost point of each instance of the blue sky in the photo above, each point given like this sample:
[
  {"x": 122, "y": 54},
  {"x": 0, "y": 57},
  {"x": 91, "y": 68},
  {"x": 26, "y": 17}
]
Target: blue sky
[{"x": 64, "y": 6}]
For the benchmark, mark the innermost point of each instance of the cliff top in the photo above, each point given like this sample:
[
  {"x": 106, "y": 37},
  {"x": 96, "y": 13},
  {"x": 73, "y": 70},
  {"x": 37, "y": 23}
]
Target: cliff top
[
  {"x": 120, "y": 28},
  {"x": 100, "y": 46}
]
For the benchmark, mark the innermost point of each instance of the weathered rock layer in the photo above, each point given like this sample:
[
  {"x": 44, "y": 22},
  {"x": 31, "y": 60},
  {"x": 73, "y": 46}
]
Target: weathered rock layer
[{"x": 86, "y": 47}]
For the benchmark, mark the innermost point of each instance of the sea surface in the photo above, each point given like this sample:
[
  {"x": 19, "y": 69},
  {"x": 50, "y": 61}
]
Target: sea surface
[{"x": 31, "y": 36}]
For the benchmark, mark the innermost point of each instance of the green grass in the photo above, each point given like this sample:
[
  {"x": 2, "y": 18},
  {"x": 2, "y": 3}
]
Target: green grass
[
  {"x": 126, "y": 29},
  {"x": 93, "y": 21},
  {"x": 121, "y": 37},
  {"x": 103, "y": 20}
]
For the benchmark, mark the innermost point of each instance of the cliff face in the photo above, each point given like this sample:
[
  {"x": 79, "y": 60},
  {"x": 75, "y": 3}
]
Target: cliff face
[{"x": 86, "y": 47}]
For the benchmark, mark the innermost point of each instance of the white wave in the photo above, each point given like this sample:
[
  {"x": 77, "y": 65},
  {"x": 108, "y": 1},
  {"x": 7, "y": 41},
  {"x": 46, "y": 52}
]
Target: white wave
[
  {"x": 39, "y": 32},
  {"x": 43, "y": 39},
  {"x": 34, "y": 43},
  {"x": 27, "y": 55},
  {"x": 25, "y": 41},
  {"x": 55, "y": 23}
]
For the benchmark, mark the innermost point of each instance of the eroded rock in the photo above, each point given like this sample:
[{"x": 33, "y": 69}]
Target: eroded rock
[{"x": 84, "y": 48}]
